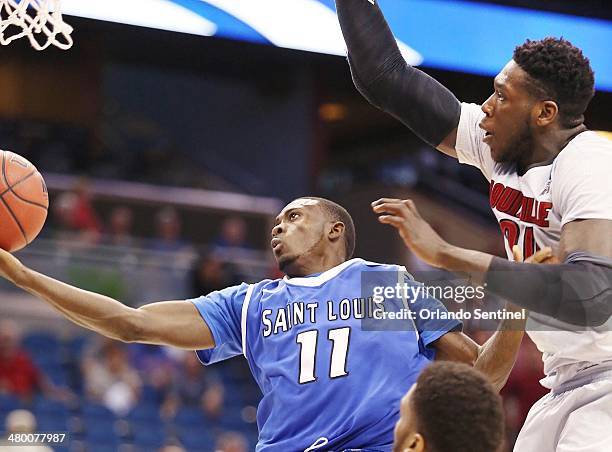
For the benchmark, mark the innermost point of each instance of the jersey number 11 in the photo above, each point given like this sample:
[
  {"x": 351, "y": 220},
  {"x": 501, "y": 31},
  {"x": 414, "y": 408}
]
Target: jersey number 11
[{"x": 308, "y": 353}]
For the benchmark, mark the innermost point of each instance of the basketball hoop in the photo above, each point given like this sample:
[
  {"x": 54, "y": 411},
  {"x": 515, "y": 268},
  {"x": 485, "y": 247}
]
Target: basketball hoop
[{"x": 38, "y": 20}]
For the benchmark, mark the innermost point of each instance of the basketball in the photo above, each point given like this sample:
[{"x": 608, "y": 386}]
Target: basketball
[{"x": 23, "y": 202}]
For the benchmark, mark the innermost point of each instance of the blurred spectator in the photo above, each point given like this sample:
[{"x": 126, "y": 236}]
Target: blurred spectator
[
  {"x": 18, "y": 373},
  {"x": 232, "y": 240},
  {"x": 110, "y": 379},
  {"x": 172, "y": 448},
  {"x": 233, "y": 234},
  {"x": 154, "y": 364},
  {"x": 168, "y": 228},
  {"x": 231, "y": 442},
  {"x": 19, "y": 422},
  {"x": 210, "y": 274},
  {"x": 194, "y": 386},
  {"x": 120, "y": 227},
  {"x": 74, "y": 213}
]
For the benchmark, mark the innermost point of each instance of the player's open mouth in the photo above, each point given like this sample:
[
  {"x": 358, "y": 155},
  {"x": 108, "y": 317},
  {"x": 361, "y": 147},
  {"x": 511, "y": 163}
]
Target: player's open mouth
[
  {"x": 487, "y": 137},
  {"x": 275, "y": 242}
]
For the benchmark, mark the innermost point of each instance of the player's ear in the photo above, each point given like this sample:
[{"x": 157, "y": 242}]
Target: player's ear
[
  {"x": 547, "y": 111},
  {"x": 336, "y": 230},
  {"x": 416, "y": 443}
]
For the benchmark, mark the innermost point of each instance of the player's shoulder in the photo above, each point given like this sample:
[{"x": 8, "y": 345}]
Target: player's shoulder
[
  {"x": 266, "y": 284},
  {"x": 584, "y": 146},
  {"x": 379, "y": 266}
]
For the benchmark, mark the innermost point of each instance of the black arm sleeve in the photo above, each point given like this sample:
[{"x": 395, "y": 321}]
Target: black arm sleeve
[
  {"x": 383, "y": 77},
  {"x": 579, "y": 292}
]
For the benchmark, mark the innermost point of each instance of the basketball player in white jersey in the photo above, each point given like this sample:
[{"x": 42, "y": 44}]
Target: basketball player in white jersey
[{"x": 550, "y": 185}]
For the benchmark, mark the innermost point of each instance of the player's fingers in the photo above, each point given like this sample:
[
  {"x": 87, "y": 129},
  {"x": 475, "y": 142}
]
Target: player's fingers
[
  {"x": 517, "y": 252},
  {"x": 540, "y": 256},
  {"x": 395, "y": 208},
  {"x": 385, "y": 200},
  {"x": 409, "y": 203},
  {"x": 392, "y": 220}
]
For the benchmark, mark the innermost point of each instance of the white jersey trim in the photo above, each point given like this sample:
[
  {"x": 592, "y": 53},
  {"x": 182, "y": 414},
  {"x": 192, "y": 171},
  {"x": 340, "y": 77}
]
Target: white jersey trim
[
  {"x": 243, "y": 320},
  {"x": 315, "y": 281},
  {"x": 401, "y": 281}
]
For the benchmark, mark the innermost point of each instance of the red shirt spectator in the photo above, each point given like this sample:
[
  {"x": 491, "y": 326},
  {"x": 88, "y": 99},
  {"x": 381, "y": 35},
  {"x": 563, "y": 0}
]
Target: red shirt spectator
[{"x": 18, "y": 374}]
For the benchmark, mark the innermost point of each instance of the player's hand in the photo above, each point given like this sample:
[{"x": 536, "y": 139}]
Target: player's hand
[
  {"x": 543, "y": 256},
  {"x": 416, "y": 233},
  {"x": 10, "y": 267}
]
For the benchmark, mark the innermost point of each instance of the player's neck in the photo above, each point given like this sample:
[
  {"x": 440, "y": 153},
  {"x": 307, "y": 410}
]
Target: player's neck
[
  {"x": 546, "y": 147},
  {"x": 315, "y": 266}
]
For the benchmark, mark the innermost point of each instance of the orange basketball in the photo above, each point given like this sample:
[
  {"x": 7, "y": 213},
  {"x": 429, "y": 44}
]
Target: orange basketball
[{"x": 23, "y": 202}]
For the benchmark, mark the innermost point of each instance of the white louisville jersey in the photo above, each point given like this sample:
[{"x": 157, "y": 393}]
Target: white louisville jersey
[{"x": 531, "y": 210}]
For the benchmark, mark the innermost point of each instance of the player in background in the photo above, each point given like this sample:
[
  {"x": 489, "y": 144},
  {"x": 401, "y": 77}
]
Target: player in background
[
  {"x": 326, "y": 382},
  {"x": 451, "y": 407},
  {"x": 549, "y": 186}
]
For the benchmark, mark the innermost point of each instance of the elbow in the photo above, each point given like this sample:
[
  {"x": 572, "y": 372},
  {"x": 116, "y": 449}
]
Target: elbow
[
  {"x": 380, "y": 87},
  {"x": 130, "y": 327}
]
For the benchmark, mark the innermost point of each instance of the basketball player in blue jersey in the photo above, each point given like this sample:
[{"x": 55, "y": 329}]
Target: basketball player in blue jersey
[{"x": 327, "y": 383}]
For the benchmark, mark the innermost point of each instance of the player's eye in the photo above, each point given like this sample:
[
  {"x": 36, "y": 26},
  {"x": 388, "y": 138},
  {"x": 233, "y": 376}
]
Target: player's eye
[
  {"x": 293, "y": 216},
  {"x": 500, "y": 96}
]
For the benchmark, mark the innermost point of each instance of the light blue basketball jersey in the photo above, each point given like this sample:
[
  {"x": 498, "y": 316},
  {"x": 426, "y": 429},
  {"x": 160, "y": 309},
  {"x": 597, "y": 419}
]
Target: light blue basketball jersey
[{"x": 327, "y": 380}]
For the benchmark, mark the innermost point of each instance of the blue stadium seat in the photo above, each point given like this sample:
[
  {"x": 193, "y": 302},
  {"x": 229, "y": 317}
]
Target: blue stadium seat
[
  {"x": 190, "y": 416},
  {"x": 56, "y": 374},
  {"x": 60, "y": 448},
  {"x": 40, "y": 340},
  {"x": 42, "y": 405},
  {"x": 232, "y": 420},
  {"x": 9, "y": 403},
  {"x": 99, "y": 430},
  {"x": 148, "y": 436},
  {"x": 52, "y": 422},
  {"x": 75, "y": 347},
  {"x": 197, "y": 439},
  {"x": 102, "y": 447},
  {"x": 101, "y": 434},
  {"x": 44, "y": 347},
  {"x": 99, "y": 424},
  {"x": 150, "y": 395},
  {"x": 95, "y": 410},
  {"x": 233, "y": 397},
  {"x": 144, "y": 412}
]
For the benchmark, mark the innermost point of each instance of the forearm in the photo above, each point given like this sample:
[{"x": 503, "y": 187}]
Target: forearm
[
  {"x": 579, "y": 293},
  {"x": 460, "y": 260},
  {"x": 369, "y": 40},
  {"x": 384, "y": 78},
  {"x": 497, "y": 356},
  {"x": 96, "y": 312}
]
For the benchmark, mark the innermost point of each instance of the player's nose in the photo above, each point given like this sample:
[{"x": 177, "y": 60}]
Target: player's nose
[
  {"x": 487, "y": 106},
  {"x": 276, "y": 230}
]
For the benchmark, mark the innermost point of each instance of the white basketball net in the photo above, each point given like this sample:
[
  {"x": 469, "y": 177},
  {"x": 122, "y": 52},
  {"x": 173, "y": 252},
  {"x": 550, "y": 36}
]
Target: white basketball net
[{"x": 38, "y": 20}]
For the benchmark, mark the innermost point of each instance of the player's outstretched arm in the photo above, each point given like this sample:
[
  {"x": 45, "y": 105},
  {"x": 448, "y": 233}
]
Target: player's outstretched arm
[
  {"x": 383, "y": 77},
  {"x": 174, "y": 323},
  {"x": 578, "y": 291}
]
